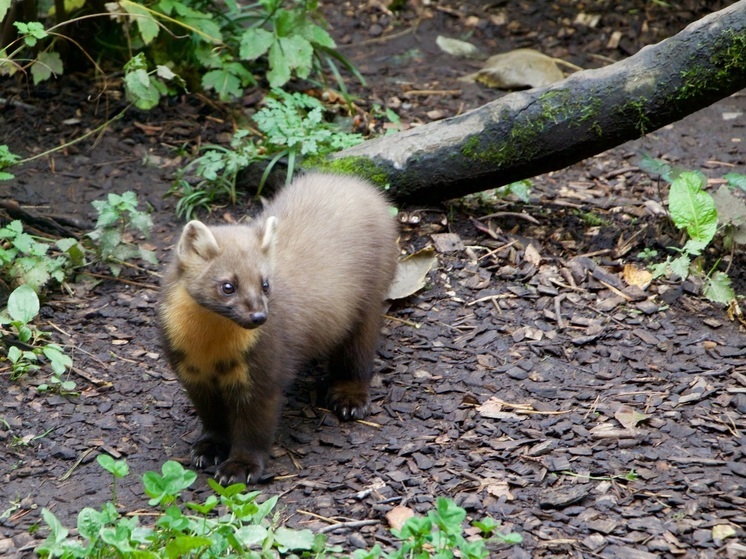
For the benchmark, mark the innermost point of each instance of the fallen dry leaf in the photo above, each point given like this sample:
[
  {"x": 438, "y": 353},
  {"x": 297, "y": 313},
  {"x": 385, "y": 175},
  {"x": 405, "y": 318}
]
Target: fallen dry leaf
[
  {"x": 397, "y": 516},
  {"x": 639, "y": 277},
  {"x": 447, "y": 242},
  {"x": 531, "y": 255},
  {"x": 722, "y": 531},
  {"x": 498, "y": 489},
  {"x": 454, "y": 47},
  {"x": 628, "y": 417},
  {"x": 517, "y": 69},
  {"x": 492, "y": 409},
  {"x": 411, "y": 273}
]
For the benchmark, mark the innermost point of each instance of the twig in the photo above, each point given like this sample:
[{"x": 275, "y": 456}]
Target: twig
[
  {"x": 351, "y": 524},
  {"x": 519, "y": 215}
]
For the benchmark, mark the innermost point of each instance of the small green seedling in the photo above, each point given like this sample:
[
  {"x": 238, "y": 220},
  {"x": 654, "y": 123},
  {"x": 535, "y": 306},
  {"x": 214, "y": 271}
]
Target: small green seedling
[
  {"x": 118, "y": 220},
  {"x": 692, "y": 209},
  {"x": 23, "y": 308},
  {"x": 117, "y": 468}
]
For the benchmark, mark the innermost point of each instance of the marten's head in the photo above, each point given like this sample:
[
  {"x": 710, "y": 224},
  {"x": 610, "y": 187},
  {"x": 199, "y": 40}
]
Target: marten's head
[{"x": 228, "y": 269}]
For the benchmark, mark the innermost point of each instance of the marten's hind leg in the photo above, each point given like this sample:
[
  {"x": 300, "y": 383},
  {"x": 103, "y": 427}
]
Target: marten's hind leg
[{"x": 350, "y": 370}]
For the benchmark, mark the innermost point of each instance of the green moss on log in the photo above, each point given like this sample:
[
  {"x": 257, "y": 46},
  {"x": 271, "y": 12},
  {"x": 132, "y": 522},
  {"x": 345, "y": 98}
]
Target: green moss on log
[{"x": 359, "y": 166}]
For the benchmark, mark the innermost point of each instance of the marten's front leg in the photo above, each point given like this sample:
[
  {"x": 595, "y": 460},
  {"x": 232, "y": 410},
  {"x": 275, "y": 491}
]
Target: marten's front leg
[
  {"x": 254, "y": 417},
  {"x": 213, "y": 445}
]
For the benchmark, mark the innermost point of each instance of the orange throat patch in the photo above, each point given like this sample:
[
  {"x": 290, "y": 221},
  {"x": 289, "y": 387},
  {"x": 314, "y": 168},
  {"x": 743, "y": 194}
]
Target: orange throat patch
[{"x": 213, "y": 346}]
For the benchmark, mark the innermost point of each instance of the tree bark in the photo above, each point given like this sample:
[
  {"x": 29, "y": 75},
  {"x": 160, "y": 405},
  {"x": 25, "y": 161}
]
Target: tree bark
[{"x": 528, "y": 133}]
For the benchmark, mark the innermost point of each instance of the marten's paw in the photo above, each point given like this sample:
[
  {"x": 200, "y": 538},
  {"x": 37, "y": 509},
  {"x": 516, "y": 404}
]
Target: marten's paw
[
  {"x": 349, "y": 400},
  {"x": 240, "y": 470},
  {"x": 208, "y": 452}
]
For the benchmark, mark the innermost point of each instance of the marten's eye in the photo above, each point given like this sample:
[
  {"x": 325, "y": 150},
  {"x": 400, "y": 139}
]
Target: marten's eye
[
  {"x": 227, "y": 288},
  {"x": 265, "y": 285}
]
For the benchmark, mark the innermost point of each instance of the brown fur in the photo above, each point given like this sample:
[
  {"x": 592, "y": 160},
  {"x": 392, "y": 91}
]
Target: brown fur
[{"x": 326, "y": 245}]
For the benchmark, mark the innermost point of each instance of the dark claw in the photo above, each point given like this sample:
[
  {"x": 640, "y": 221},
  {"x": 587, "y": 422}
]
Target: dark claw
[{"x": 349, "y": 405}]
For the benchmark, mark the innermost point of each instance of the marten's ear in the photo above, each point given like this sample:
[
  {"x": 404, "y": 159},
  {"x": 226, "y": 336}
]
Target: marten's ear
[
  {"x": 269, "y": 234},
  {"x": 197, "y": 240}
]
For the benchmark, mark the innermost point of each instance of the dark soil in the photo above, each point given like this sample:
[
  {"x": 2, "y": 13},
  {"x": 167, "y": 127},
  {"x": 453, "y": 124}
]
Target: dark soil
[{"x": 500, "y": 385}]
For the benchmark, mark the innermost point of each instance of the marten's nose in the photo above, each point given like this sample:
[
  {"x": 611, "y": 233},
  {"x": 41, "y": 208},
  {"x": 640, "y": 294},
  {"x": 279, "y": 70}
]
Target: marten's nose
[{"x": 258, "y": 318}]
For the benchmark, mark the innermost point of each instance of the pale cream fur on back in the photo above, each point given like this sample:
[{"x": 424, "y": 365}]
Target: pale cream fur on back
[{"x": 335, "y": 254}]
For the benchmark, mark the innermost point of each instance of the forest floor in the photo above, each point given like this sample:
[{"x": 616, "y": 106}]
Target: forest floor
[{"x": 503, "y": 385}]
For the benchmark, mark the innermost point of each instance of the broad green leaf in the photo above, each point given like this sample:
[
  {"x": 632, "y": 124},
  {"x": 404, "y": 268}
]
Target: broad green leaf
[
  {"x": 23, "y": 304},
  {"x": 137, "y": 62},
  {"x": 183, "y": 545},
  {"x": 108, "y": 242},
  {"x": 14, "y": 354},
  {"x": 32, "y": 32},
  {"x": 736, "y": 180},
  {"x": 4, "y": 6},
  {"x": 254, "y": 43},
  {"x": 718, "y": 288},
  {"x": 251, "y": 535},
  {"x": 148, "y": 256},
  {"x": 315, "y": 34},
  {"x": 692, "y": 208},
  {"x": 298, "y": 54},
  {"x": 285, "y": 23},
  {"x": 279, "y": 69},
  {"x": 32, "y": 272},
  {"x": 680, "y": 266},
  {"x": 225, "y": 84},
  {"x": 46, "y": 64},
  {"x": 128, "y": 200},
  {"x": 520, "y": 189},
  {"x": 57, "y": 532},
  {"x": 146, "y": 23},
  {"x": 165, "y": 73},
  {"x": 199, "y": 23},
  {"x": 141, "y": 222},
  {"x": 288, "y": 539},
  {"x": 137, "y": 84},
  {"x": 90, "y": 522},
  {"x": 265, "y": 508},
  {"x": 73, "y": 249},
  {"x": 166, "y": 6},
  {"x": 57, "y": 359}
]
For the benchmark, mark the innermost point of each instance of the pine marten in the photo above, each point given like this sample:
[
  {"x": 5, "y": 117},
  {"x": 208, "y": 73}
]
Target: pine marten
[{"x": 245, "y": 306}]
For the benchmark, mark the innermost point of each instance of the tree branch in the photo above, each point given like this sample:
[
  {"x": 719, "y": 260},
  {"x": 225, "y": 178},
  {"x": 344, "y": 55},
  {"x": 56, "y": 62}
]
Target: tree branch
[{"x": 528, "y": 133}]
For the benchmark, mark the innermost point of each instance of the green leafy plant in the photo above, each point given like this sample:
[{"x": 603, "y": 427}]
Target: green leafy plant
[
  {"x": 25, "y": 259},
  {"x": 243, "y": 527},
  {"x": 232, "y": 522},
  {"x": 520, "y": 189},
  {"x": 694, "y": 211},
  {"x": 7, "y": 159},
  {"x": 293, "y": 128},
  {"x": 117, "y": 468},
  {"x": 23, "y": 308},
  {"x": 223, "y": 42},
  {"x": 145, "y": 87},
  {"x": 119, "y": 220}
]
